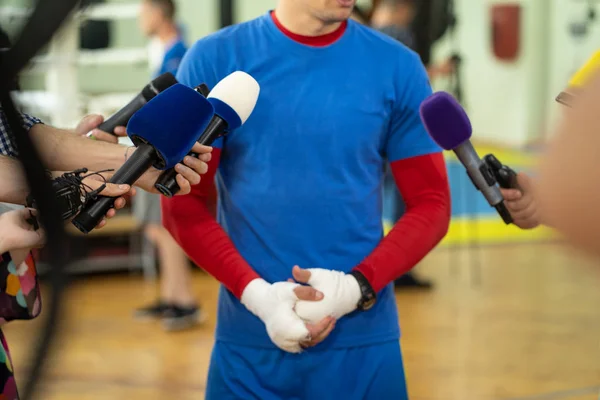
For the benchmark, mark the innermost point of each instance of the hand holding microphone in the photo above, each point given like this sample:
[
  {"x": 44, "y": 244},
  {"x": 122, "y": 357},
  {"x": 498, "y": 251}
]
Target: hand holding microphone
[
  {"x": 449, "y": 126},
  {"x": 517, "y": 190},
  {"x": 233, "y": 99},
  {"x": 88, "y": 127},
  {"x": 522, "y": 202},
  {"x": 164, "y": 131}
]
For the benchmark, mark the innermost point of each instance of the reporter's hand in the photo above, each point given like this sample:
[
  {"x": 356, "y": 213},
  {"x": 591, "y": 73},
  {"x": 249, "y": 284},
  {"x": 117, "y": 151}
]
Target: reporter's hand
[
  {"x": 188, "y": 173},
  {"x": 522, "y": 204},
  {"x": 341, "y": 293},
  {"x": 18, "y": 234},
  {"x": 97, "y": 134},
  {"x": 93, "y": 182},
  {"x": 88, "y": 123},
  {"x": 274, "y": 305},
  {"x": 88, "y": 127}
]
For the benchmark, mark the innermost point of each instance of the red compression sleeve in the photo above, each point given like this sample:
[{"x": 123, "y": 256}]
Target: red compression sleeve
[
  {"x": 190, "y": 221},
  {"x": 423, "y": 183}
]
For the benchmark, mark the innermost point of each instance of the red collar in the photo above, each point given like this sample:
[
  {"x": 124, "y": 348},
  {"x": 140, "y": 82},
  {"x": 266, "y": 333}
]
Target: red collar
[{"x": 315, "y": 41}]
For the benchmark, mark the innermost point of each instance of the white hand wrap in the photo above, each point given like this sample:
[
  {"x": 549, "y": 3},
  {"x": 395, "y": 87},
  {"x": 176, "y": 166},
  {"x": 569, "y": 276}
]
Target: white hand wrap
[
  {"x": 274, "y": 305},
  {"x": 341, "y": 295}
]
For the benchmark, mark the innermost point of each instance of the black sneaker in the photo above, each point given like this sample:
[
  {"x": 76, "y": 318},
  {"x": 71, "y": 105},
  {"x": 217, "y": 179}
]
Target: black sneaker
[
  {"x": 152, "y": 312},
  {"x": 409, "y": 280},
  {"x": 177, "y": 318}
]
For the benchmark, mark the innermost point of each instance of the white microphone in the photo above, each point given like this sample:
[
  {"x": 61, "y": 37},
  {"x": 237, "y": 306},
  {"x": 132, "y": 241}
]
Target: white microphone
[{"x": 233, "y": 99}]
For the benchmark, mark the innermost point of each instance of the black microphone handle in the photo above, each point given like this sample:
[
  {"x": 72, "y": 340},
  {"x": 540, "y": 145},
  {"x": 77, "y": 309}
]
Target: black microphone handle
[
  {"x": 504, "y": 213},
  {"x": 167, "y": 182},
  {"x": 505, "y": 176},
  {"x": 122, "y": 117},
  {"x": 93, "y": 212}
]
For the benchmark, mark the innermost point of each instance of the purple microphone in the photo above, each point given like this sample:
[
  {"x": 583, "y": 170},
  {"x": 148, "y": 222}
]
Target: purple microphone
[{"x": 449, "y": 126}]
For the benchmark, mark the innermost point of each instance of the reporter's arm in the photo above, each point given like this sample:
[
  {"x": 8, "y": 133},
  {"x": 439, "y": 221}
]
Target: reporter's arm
[
  {"x": 61, "y": 150},
  {"x": 568, "y": 189}
]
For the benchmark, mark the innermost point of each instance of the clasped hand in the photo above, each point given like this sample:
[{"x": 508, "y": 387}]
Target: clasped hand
[{"x": 298, "y": 316}]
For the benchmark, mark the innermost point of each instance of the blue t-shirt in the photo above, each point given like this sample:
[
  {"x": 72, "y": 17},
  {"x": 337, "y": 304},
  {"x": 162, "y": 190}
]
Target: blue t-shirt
[
  {"x": 301, "y": 181},
  {"x": 173, "y": 56}
]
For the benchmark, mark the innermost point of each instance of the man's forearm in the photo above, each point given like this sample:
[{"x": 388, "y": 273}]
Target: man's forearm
[
  {"x": 64, "y": 151},
  {"x": 188, "y": 218},
  {"x": 423, "y": 184}
]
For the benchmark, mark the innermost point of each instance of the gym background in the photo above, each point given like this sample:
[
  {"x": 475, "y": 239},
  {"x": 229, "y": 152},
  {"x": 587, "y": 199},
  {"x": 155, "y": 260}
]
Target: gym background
[{"x": 513, "y": 314}]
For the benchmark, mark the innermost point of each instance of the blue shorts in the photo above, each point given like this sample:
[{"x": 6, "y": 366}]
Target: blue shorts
[{"x": 359, "y": 373}]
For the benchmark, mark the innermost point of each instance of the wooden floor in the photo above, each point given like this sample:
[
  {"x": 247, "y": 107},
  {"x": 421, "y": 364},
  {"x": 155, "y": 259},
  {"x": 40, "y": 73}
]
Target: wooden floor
[{"x": 526, "y": 327}]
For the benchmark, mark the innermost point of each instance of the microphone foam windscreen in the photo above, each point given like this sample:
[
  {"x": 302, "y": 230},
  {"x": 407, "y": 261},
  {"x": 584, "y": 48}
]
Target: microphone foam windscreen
[
  {"x": 234, "y": 98},
  {"x": 171, "y": 122},
  {"x": 159, "y": 84},
  {"x": 445, "y": 120}
]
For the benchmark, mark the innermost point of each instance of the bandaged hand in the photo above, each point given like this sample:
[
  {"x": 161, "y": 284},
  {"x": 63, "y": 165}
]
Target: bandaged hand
[
  {"x": 274, "y": 305},
  {"x": 340, "y": 290}
]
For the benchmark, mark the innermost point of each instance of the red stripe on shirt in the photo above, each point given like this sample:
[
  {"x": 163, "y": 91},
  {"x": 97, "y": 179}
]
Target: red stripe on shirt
[{"x": 423, "y": 183}]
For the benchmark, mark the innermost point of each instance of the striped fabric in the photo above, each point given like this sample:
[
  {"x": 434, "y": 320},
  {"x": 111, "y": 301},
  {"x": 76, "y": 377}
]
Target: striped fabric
[{"x": 7, "y": 147}]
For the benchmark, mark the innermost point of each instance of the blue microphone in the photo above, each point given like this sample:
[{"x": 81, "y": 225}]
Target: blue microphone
[
  {"x": 233, "y": 100},
  {"x": 164, "y": 131}
]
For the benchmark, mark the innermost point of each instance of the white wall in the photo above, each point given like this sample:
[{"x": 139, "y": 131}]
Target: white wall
[
  {"x": 504, "y": 100},
  {"x": 248, "y": 9},
  {"x": 513, "y": 104},
  {"x": 567, "y": 53}
]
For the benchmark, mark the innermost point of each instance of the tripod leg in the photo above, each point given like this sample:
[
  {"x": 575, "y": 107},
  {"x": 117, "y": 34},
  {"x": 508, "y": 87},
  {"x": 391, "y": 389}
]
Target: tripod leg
[{"x": 474, "y": 243}]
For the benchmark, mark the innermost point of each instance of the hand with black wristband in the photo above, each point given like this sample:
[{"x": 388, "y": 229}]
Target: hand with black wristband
[{"x": 342, "y": 294}]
